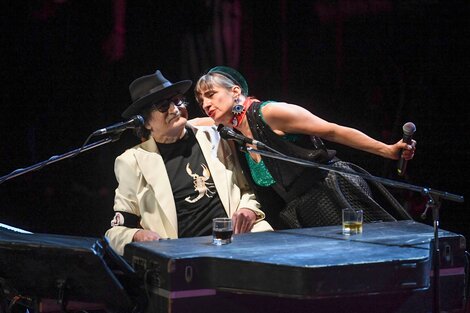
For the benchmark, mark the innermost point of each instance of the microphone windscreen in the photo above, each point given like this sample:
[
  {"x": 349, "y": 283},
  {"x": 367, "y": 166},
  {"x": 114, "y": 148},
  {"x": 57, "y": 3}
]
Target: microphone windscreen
[
  {"x": 225, "y": 132},
  {"x": 409, "y": 129},
  {"x": 138, "y": 120}
]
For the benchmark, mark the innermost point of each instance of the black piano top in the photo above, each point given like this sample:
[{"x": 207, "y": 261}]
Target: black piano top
[{"x": 308, "y": 247}]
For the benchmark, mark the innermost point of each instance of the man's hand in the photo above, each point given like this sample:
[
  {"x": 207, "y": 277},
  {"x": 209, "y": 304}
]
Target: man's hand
[
  {"x": 243, "y": 220},
  {"x": 145, "y": 235}
]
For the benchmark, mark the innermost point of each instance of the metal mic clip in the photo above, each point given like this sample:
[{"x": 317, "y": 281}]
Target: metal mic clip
[{"x": 425, "y": 213}]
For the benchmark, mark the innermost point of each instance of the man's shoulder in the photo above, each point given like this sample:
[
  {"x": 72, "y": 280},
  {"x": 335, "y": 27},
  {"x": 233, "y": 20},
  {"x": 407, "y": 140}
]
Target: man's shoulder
[
  {"x": 201, "y": 121},
  {"x": 127, "y": 156},
  {"x": 141, "y": 147},
  {"x": 209, "y": 131}
]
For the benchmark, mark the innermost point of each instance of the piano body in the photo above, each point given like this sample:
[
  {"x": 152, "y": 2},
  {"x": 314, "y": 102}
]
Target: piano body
[
  {"x": 55, "y": 273},
  {"x": 387, "y": 268}
]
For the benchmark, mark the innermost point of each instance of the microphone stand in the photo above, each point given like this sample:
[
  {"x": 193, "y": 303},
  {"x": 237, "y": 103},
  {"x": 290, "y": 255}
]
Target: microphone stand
[
  {"x": 433, "y": 203},
  {"x": 18, "y": 172},
  {"x": 385, "y": 181}
]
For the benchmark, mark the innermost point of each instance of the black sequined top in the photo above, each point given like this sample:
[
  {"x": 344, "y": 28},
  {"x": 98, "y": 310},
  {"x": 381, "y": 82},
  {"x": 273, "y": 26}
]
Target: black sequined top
[{"x": 288, "y": 179}]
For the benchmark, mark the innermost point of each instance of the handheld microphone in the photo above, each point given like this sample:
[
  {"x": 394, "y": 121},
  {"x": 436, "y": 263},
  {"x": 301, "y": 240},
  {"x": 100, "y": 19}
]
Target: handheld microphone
[
  {"x": 134, "y": 122},
  {"x": 408, "y": 131},
  {"x": 230, "y": 134}
]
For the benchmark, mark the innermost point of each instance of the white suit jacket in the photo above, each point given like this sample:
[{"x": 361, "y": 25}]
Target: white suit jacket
[{"x": 144, "y": 187}]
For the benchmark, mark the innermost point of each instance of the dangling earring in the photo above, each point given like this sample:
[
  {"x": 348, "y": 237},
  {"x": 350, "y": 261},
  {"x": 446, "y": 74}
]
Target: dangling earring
[{"x": 237, "y": 107}]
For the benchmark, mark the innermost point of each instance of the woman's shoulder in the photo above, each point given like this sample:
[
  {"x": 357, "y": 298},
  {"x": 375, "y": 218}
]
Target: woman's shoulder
[
  {"x": 271, "y": 105},
  {"x": 273, "y": 109}
]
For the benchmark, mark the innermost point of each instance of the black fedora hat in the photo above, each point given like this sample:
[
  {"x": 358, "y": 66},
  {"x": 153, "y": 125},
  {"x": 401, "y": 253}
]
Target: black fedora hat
[{"x": 150, "y": 89}]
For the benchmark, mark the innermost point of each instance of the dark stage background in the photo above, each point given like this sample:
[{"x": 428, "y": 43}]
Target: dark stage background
[{"x": 369, "y": 64}]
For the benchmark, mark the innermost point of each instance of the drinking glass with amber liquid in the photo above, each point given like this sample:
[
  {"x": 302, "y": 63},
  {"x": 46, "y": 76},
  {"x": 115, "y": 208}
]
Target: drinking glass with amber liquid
[{"x": 352, "y": 221}]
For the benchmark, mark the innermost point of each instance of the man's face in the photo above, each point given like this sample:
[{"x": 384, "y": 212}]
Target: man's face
[{"x": 168, "y": 118}]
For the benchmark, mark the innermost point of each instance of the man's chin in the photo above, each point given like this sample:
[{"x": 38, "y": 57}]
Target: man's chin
[{"x": 178, "y": 120}]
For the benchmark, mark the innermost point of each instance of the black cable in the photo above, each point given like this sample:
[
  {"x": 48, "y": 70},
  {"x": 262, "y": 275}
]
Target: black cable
[{"x": 467, "y": 283}]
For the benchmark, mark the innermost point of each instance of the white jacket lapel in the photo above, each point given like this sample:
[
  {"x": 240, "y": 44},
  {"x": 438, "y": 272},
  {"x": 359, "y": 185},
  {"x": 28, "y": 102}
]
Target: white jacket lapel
[
  {"x": 217, "y": 168},
  {"x": 154, "y": 171}
]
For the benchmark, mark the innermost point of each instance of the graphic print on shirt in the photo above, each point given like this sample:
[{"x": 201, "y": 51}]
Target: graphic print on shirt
[{"x": 200, "y": 184}]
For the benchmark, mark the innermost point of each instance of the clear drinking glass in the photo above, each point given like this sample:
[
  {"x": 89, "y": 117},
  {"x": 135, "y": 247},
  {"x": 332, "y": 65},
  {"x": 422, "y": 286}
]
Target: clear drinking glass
[
  {"x": 352, "y": 221},
  {"x": 222, "y": 231}
]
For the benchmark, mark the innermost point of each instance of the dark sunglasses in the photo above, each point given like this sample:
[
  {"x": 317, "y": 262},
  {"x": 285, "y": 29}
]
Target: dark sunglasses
[{"x": 164, "y": 105}]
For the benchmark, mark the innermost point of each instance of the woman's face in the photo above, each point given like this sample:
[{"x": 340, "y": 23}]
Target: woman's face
[{"x": 217, "y": 103}]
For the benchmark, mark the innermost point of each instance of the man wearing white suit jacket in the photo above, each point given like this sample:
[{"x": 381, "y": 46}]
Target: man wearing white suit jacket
[{"x": 180, "y": 177}]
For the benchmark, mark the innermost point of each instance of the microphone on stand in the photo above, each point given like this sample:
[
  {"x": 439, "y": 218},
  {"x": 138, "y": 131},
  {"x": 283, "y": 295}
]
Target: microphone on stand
[
  {"x": 134, "y": 122},
  {"x": 408, "y": 131},
  {"x": 230, "y": 134}
]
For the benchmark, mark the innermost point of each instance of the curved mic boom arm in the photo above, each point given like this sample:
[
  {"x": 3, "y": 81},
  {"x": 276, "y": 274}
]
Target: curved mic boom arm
[{"x": 385, "y": 181}]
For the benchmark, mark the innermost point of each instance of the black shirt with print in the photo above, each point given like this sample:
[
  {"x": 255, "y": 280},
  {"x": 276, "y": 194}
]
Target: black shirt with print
[{"x": 196, "y": 198}]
